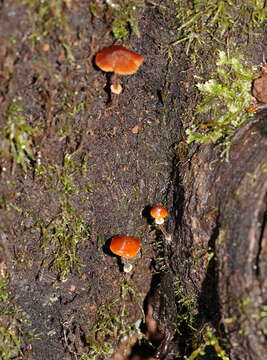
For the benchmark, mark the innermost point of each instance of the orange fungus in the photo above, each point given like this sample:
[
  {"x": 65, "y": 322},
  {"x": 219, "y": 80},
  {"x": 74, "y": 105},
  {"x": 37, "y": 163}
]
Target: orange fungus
[
  {"x": 159, "y": 212},
  {"x": 125, "y": 246},
  {"x": 118, "y": 59}
]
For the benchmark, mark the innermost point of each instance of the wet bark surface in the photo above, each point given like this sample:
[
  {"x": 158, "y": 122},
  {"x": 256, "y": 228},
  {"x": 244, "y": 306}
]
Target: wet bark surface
[
  {"x": 98, "y": 166},
  {"x": 225, "y": 214}
]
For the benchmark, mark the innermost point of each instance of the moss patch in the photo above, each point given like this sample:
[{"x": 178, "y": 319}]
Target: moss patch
[{"x": 224, "y": 99}]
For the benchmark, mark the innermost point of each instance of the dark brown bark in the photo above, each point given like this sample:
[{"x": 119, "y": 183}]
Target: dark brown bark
[{"x": 222, "y": 212}]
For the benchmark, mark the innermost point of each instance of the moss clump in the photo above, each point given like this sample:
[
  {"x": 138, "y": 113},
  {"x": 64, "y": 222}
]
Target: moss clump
[
  {"x": 60, "y": 241},
  {"x": 125, "y": 19},
  {"x": 205, "y": 21},
  {"x": 48, "y": 16},
  {"x": 210, "y": 345},
  {"x": 200, "y": 339},
  {"x": 224, "y": 99},
  {"x": 186, "y": 310},
  {"x": 12, "y": 321},
  {"x": 111, "y": 324},
  {"x": 121, "y": 16},
  {"x": 17, "y": 137}
]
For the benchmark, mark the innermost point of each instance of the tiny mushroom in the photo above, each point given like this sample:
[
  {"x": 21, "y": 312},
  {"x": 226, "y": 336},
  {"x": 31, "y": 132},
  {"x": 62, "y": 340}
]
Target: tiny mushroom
[
  {"x": 120, "y": 61},
  {"x": 255, "y": 107},
  {"x": 159, "y": 213},
  {"x": 126, "y": 247},
  {"x": 252, "y": 109}
]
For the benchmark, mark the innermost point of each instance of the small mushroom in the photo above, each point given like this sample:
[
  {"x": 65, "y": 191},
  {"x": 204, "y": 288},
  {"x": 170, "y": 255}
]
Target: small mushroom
[
  {"x": 159, "y": 213},
  {"x": 255, "y": 107},
  {"x": 259, "y": 89},
  {"x": 120, "y": 61},
  {"x": 252, "y": 109},
  {"x": 126, "y": 247}
]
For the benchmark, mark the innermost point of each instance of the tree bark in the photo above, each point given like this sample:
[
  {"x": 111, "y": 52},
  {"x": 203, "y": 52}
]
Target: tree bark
[{"x": 220, "y": 246}]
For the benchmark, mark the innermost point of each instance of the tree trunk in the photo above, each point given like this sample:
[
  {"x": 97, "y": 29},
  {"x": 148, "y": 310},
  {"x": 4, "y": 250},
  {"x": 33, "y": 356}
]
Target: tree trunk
[{"x": 219, "y": 251}]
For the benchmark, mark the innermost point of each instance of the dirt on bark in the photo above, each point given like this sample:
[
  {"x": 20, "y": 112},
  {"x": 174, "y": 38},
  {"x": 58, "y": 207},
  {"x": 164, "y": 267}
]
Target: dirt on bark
[{"x": 91, "y": 167}]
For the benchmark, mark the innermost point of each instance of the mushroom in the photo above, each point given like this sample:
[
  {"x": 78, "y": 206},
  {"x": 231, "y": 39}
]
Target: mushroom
[
  {"x": 252, "y": 109},
  {"x": 120, "y": 61},
  {"x": 159, "y": 213},
  {"x": 126, "y": 247},
  {"x": 259, "y": 89},
  {"x": 255, "y": 107}
]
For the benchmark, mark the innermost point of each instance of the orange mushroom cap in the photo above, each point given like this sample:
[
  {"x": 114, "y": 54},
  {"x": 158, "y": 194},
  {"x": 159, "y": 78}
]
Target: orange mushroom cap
[
  {"x": 118, "y": 59},
  {"x": 252, "y": 108},
  {"x": 159, "y": 212},
  {"x": 125, "y": 246}
]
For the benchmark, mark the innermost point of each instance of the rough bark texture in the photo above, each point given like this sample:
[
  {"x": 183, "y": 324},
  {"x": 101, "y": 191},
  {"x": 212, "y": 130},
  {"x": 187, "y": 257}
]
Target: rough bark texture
[
  {"x": 217, "y": 207},
  {"x": 223, "y": 211}
]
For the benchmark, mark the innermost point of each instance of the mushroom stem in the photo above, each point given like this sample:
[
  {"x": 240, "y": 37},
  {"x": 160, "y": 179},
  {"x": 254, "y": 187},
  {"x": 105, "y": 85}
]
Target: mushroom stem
[
  {"x": 167, "y": 235},
  {"x": 127, "y": 267},
  {"x": 116, "y": 87}
]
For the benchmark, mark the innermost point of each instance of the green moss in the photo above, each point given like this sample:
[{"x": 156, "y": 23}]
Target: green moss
[
  {"x": 66, "y": 231},
  {"x": 210, "y": 341},
  {"x": 107, "y": 324},
  {"x": 125, "y": 19},
  {"x": 263, "y": 319},
  {"x": 186, "y": 310},
  {"x": 161, "y": 259},
  {"x": 68, "y": 172},
  {"x": 60, "y": 241},
  {"x": 121, "y": 16},
  {"x": 17, "y": 138},
  {"x": 63, "y": 178},
  {"x": 224, "y": 99},
  {"x": 204, "y": 21},
  {"x": 248, "y": 310},
  {"x": 198, "y": 337},
  {"x": 48, "y": 16},
  {"x": 264, "y": 168},
  {"x": 111, "y": 324},
  {"x": 12, "y": 322}
]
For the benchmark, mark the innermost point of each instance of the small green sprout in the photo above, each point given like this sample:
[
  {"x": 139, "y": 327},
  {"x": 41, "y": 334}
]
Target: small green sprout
[{"x": 224, "y": 100}]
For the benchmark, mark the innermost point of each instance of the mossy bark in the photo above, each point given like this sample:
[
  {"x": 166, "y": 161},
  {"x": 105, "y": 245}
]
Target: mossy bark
[{"x": 219, "y": 250}]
